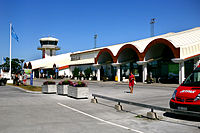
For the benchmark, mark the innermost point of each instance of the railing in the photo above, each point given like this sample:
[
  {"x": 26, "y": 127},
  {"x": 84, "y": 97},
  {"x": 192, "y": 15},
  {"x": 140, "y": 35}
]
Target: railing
[{"x": 152, "y": 107}]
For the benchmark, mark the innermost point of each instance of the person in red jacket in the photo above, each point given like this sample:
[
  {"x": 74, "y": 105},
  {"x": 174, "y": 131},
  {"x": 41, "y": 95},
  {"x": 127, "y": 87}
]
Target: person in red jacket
[{"x": 131, "y": 82}]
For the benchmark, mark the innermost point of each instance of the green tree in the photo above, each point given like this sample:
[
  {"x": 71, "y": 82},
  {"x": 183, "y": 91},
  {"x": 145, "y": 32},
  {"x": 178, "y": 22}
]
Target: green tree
[
  {"x": 76, "y": 72},
  {"x": 16, "y": 65},
  {"x": 88, "y": 72}
]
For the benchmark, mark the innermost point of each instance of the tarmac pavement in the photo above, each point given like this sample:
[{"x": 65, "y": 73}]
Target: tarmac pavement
[{"x": 22, "y": 111}]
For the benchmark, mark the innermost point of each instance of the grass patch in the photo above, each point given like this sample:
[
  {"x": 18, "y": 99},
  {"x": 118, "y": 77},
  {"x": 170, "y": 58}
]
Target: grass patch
[{"x": 29, "y": 87}]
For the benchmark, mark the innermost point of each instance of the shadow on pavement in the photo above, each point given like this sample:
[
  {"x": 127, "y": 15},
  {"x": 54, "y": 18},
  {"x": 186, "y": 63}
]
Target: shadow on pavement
[
  {"x": 127, "y": 92},
  {"x": 182, "y": 117}
]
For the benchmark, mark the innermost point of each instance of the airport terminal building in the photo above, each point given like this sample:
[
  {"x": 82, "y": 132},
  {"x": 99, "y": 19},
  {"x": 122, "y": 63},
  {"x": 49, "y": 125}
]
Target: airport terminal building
[{"x": 165, "y": 58}]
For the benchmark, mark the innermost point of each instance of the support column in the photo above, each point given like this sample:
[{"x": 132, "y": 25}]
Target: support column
[
  {"x": 118, "y": 73},
  {"x": 98, "y": 74},
  {"x": 98, "y": 66},
  {"x": 93, "y": 73},
  {"x": 39, "y": 73},
  {"x": 181, "y": 69},
  {"x": 144, "y": 69},
  {"x": 33, "y": 74},
  {"x": 181, "y": 72},
  {"x": 144, "y": 73},
  {"x": 117, "y": 65}
]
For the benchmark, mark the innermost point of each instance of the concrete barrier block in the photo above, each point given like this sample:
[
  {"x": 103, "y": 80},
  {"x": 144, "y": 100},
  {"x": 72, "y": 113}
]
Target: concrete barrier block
[
  {"x": 118, "y": 107},
  {"x": 151, "y": 115},
  {"x": 94, "y": 100}
]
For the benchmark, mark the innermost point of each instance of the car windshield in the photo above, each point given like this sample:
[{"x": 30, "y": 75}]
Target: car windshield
[{"x": 193, "y": 79}]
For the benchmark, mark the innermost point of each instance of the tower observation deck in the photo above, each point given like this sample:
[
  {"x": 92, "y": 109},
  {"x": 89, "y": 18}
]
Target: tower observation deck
[{"x": 48, "y": 46}]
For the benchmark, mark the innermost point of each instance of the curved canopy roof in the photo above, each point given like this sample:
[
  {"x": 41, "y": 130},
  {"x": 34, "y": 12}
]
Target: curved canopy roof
[
  {"x": 179, "y": 39},
  {"x": 45, "y": 63},
  {"x": 188, "y": 41}
]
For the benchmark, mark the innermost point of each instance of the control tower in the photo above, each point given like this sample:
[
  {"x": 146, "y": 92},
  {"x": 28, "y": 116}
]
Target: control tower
[{"x": 48, "y": 46}]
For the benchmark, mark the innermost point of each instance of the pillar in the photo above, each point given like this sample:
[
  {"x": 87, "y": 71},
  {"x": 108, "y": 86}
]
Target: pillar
[
  {"x": 98, "y": 66},
  {"x": 144, "y": 69},
  {"x": 118, "y": 73},
  {"x": 144, "y": 73},
  {"x": 93, "y": 73},
  {"x": 39, "y": 73},
  {"x": 181, "y": 68},
  {"x": 181, "y": 72},
  {"x": 33, "y": 74},
  {"x": 117, "y": 65},
  {"x": 98, "y": 74}
]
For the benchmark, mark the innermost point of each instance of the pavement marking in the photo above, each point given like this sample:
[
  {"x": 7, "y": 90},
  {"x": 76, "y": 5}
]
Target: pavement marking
[{"x": 99, "y": 119}]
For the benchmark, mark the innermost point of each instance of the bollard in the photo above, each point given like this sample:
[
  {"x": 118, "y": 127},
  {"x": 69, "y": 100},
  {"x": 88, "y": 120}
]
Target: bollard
[
  {"x": 118, "y": 107},
  {"x": 152, "y": 115},
  {"x": 94, "y": 100}
]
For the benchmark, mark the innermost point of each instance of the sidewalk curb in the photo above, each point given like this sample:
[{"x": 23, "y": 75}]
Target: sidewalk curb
[{"x": 114, "y": 83}]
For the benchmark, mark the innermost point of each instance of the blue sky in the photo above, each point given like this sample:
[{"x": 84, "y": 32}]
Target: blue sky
[{"x": 75, "y": 22}]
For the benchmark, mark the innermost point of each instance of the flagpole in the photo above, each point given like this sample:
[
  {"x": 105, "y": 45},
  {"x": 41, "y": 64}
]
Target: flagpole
[{"x": 10, "y": 48}]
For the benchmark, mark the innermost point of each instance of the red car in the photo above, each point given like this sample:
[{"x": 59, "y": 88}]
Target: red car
[{"x": 187, "y": 95}]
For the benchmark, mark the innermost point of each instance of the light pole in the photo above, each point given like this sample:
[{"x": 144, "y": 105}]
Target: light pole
[
  {"x": 152, "y": 26},
  {"x": 95, "y": 40}
]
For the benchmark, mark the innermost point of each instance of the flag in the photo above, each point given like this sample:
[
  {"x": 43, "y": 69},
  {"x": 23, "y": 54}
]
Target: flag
[
  {"x": 4, "y": 59},
  {"x": 14, "y": 35}
]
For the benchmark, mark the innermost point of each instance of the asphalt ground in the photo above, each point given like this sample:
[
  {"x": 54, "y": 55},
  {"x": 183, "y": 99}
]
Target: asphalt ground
[{"x": 22, "y": 111}]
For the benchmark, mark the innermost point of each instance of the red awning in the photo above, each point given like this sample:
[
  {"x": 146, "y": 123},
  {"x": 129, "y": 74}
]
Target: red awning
[{"x": 63, "y": 67}]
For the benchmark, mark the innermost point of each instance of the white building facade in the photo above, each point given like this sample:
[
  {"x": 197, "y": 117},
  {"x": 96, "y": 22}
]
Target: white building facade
[
  {"x": 166, "y": 58},
  {"x": 163, "y": 58}
]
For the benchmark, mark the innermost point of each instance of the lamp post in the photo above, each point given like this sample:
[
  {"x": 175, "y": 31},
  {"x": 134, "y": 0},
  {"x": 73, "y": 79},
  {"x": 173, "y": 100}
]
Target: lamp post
[
  {"x": 95, "y": 40},
  {"x": 152, "y": 26}
]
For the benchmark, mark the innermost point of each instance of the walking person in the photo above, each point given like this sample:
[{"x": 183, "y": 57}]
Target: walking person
[
  {"x": 17, "y": 79},
  {"x": 131, "y": 82},
  {"x": 24, "y": 77}
]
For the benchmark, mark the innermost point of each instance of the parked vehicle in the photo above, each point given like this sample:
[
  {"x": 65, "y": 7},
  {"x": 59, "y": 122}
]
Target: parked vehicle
[
  {"x": 3, "y": 81},
  {"x": 187, "y": 95}
]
